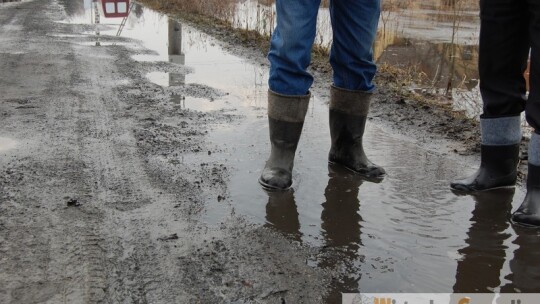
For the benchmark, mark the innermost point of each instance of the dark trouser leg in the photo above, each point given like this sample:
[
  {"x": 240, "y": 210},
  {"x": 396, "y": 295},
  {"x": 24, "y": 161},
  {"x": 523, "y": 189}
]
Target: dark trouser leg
[
  {"x": 532, "y": 110},
  {"x": 529, "y": 211},
  {"x": 504, "y": 48}
]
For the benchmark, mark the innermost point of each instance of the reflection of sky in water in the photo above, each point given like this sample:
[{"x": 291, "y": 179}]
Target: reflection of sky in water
[{"x": 200, "y": 51}]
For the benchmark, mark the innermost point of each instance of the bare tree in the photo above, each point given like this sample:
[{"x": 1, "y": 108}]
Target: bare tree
[{"x": 457, "y": 7}]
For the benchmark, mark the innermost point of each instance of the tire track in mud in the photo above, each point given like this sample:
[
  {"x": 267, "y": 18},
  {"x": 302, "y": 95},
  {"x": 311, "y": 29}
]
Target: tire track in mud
[
  {"x": 118, "y": 175},
  {"x": 52, "y": 245}
]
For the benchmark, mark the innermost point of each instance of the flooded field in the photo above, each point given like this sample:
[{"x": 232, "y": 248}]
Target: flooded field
[{"x": 437, "y": 45}]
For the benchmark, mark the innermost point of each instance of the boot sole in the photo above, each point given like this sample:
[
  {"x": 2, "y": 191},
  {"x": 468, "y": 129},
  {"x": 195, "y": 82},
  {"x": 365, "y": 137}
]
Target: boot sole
[
  {"x": 271, "y": 188},
  {"x": 367, "y": 177},
  {"x": 470, "y": 191},
  {"x": 523, "y": 225}
]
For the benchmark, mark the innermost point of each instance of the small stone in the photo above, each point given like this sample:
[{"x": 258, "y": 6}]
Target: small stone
[{"x": 73, "y": 203}]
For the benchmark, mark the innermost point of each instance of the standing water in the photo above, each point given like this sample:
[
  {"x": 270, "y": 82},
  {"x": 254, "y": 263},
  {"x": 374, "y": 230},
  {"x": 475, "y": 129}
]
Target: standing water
[{"x": 408, "y": 233}]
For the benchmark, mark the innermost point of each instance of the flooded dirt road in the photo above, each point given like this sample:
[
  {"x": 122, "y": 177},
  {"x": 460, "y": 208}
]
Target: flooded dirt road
[{"x": 129, "y": 164}]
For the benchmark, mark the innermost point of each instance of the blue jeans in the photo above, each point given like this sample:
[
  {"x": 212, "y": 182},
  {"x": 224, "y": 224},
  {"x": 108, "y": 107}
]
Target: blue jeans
[{"x": 354, "y": 27}]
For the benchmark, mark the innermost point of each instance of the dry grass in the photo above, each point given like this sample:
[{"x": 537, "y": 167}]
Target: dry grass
[
  {"x": 400, "y": 81},
  {"x": 221, "y": 9}
]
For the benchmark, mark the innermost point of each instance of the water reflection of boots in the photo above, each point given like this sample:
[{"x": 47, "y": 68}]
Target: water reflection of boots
[
  {"x": 525, "y": 265},
  {"x": 281, "y": 213},
  {"x": 341, "y": 228},
  {"x": 483, "y": 258}
]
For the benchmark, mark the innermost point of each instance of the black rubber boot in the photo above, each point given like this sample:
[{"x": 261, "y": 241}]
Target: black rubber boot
[
  {"x": 286, "y": 119},
  {"x": 348, "y": 115},
  {"x": 528, "y": 214},
  {"x": 498, "y": 169}
]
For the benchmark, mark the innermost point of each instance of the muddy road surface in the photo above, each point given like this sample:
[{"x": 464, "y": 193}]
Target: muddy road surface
[{"x": 128, "y": 174}]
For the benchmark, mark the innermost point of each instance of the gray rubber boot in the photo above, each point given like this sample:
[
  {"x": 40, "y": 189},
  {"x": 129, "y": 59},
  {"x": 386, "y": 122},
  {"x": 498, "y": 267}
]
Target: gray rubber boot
[
  {"x": 528, "y": 214},
  {"x": 348, "y": 115},
  {"x": 499, "y": 156},
  {"x": 286, "y": 119}
]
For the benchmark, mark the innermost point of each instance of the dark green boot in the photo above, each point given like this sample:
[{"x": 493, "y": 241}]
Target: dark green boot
[
  {"x": 348, "y": 115},
  {"x": 286, "y": 119}
]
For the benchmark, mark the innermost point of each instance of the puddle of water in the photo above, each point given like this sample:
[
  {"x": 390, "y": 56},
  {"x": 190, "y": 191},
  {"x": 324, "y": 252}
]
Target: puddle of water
[
  {"x": 7, "y": 144},
  {"x": 408, "y": 233},
  {"x": 159, "y": 78}
]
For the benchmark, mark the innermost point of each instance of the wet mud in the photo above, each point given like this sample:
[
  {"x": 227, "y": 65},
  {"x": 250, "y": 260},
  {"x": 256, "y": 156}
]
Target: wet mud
[{"x": 129, "y": 174}]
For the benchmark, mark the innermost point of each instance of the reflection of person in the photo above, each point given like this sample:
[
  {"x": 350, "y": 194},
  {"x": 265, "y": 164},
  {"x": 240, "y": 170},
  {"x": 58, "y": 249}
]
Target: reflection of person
[
  {"x": 341, "y": 224},
  {"x": 282, "y": 214},
  {"x": 509, "y": 28},
  {"x": 479, "y": 269},
  {"x": 354, "y": 25},
  {"x": 524, "y": 266}
]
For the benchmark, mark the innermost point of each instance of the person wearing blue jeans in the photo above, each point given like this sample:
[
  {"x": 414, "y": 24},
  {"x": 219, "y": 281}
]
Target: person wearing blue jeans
[
  {"x": 509, "y": 30},
  {"x": 354, "y": 27}
]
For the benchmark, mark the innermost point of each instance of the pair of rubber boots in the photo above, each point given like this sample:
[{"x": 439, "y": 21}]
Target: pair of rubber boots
[
  {"x": 499, "y": 155},
  {"x": 348, "y": 115}
]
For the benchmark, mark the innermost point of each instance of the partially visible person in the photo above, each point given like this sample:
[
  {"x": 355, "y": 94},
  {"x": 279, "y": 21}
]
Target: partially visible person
[
  {"x": 354, "y": 27},
  {"x": 527, "y": 74},
  {"x": 509, "y": 30}
]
